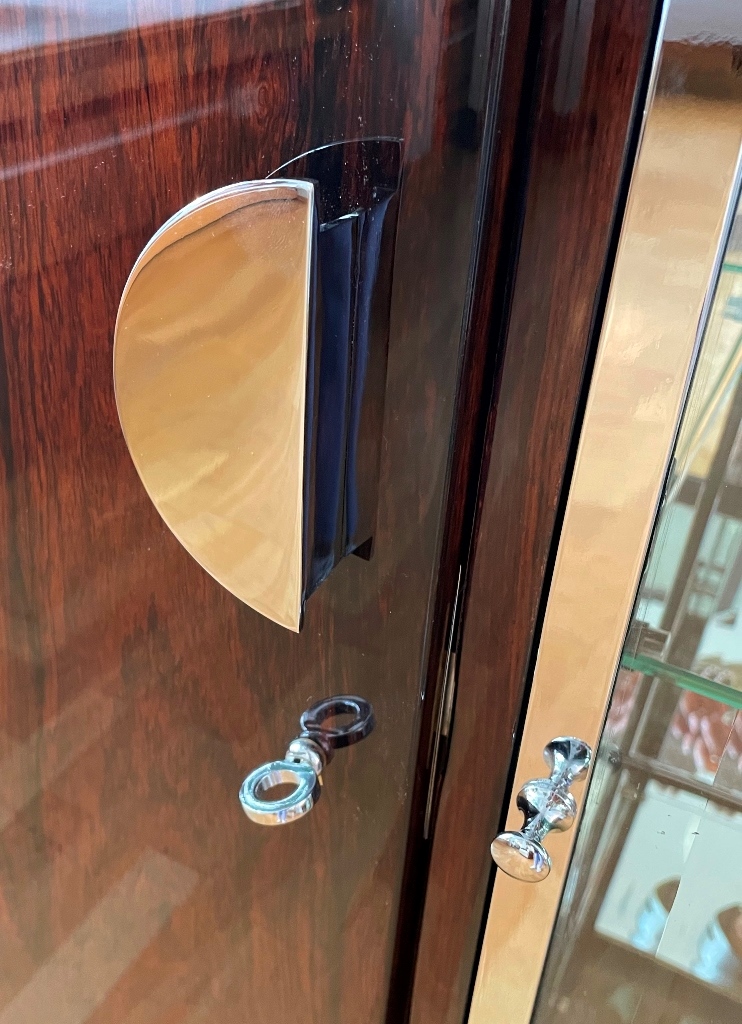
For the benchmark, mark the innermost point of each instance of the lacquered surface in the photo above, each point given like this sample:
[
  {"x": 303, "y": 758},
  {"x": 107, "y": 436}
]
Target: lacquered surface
[
  {"x": 136, "y": 693},
  {"x": 679, "y": 199},
  {"x": 210, "y": 371}
]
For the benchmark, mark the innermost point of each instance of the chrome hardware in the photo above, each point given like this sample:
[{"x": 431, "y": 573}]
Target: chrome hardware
[
  {"x": 306, "y": 757},
  {"x": 547, "y": 806},
  {"x": 300, "y": 801},
  {"x": 250, "y": 355},
  {"x": 305, "y": 749}
]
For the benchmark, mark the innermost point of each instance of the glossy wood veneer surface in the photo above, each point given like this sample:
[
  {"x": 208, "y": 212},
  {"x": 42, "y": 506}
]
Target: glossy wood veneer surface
[
  {"x": 579, "y": 119},
  {"x": 135, "y": 693}
]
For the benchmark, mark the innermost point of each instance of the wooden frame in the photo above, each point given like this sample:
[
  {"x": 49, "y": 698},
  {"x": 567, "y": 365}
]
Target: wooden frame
[
  {"x": 671, "y": 247},
  {"x": 573, "y": 84}
]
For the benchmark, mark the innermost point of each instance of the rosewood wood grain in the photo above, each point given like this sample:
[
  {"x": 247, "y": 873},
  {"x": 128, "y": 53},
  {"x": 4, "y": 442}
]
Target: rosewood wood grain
[
  {"x": 538, "y": 304},
  {"x": 505, "y": 142},
  {"x": 135, "y": 693}
]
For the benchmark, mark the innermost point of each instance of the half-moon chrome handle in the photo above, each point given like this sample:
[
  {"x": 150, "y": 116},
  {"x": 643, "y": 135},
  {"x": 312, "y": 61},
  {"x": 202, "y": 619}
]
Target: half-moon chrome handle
[
  {"x": 305, "y": 760},
  {"x": 547, "y": 806},
  {"x": 249, "y": 361}
]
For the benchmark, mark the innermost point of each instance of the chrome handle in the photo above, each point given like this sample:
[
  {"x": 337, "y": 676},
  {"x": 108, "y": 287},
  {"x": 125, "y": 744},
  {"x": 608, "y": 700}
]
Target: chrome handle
[
  {"x": 306, "y": 758},
  {"x": 547, "y": 806},
  {"x": 250, "y": 354}
]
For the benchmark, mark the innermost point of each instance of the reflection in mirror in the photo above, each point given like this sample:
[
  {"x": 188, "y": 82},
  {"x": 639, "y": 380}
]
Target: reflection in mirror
[{"x": 650, "y": 927}]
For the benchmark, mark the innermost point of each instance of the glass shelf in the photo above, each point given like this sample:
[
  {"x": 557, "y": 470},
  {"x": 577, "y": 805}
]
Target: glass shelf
[{"x": 683, "y": 678}]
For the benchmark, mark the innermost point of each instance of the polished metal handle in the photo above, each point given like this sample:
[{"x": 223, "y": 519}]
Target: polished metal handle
[
  {"x": 547, "y": 806},
  {"x": 305, "y": 760},
  {"x": 250, "y": 354}
]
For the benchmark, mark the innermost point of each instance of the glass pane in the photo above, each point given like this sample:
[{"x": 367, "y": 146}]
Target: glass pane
[{"x": 650, "y": 927}]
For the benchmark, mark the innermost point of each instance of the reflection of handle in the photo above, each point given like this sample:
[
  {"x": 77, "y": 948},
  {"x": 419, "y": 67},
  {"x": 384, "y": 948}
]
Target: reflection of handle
[
  {"x": 305, "y": 759},
  {"x": 547, "y": 805}
]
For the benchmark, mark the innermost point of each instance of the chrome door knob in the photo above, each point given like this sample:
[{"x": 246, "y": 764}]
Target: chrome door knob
[
  {"x": 547, "y": 806},
  {"x": 306, "y": 757}
]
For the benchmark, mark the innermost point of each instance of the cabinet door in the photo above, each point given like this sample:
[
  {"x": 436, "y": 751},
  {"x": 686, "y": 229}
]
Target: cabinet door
[
  {"x": 637, "y": 917},
  {"x": 137, "y": 692}
]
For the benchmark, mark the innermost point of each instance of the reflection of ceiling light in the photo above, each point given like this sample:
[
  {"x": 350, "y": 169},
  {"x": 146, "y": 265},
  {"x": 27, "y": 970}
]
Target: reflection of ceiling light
[{"x": 95, "y": 19}]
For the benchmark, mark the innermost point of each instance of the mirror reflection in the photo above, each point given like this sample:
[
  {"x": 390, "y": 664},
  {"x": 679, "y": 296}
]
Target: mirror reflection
[{"x": 650, "y": 928}]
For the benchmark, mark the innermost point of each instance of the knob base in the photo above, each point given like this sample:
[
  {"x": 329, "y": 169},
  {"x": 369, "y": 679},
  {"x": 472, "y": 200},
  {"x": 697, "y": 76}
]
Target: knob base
[{"x": 520, "y": 857}]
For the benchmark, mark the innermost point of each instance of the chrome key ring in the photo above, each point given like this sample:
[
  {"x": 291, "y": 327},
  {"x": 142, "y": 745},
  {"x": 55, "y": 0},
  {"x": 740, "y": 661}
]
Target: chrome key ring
[
  {"x": 305, "y": 759},
  {"x": 288, "y": 808}
]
